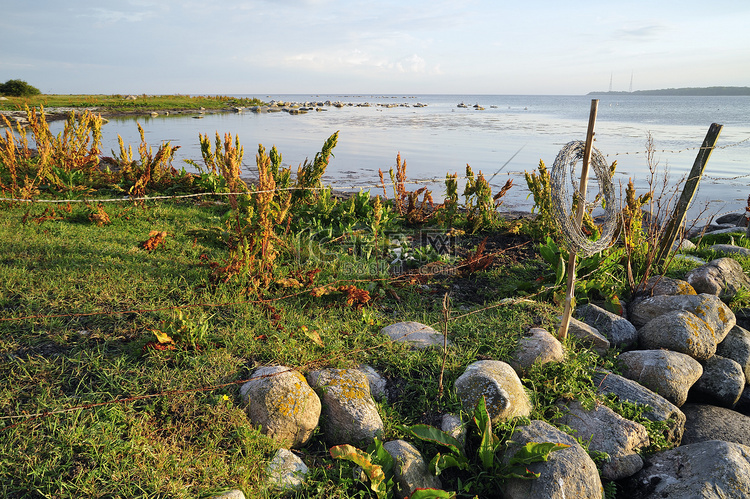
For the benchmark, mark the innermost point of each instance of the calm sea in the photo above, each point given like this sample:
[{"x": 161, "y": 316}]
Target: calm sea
[{"x": 511, "y": 135}]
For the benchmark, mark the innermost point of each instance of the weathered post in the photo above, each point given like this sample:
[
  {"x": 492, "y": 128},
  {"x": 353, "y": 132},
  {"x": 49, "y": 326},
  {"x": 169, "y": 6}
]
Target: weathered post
[
  {"x": 688, "y": 193},
  {"x": 570, "y": 290}
]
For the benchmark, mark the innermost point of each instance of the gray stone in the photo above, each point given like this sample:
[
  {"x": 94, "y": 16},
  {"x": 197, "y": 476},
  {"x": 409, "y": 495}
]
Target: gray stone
[
  {"x": 453, "y": 426},
  {"x": 503, "y": 392},
  {"x": 736, "y": 346},
  {"x": 680, "y": 331},
  {"x": 689, "y": 258},
  {"x": 376, "y": 381},
  {"x": 286, "y": 471},
  {"x": 538, "y": 346},
  {"x": 658, "y": 408},
  {"x": 708, "y": 422},
  {"x": 619, "y": 331},
  {"x": 410, "y": 471},
  {"x": 723, "y": 277},
  {"x": 280, "y": 401},
  {"x": 230, "y": 494},
  {"x": 713, "y": 469},
  {"x": 588, "y": 335},
  {"x": 683, "y": 245},
  {"x": 418, "y": 335},
  {"x": 738, "y": 219},
  {"x": 662, "y": 285},
  {"x": 707, "y": 307},
  {"x": 607, "y": 431},
  {"x": 350, "y": 415},
  {"x": 730, "y": 249},
  {"x": 722, "y": 381},
  {"x": 670, "y": 374},
  {"x": 568, "y": 473}
]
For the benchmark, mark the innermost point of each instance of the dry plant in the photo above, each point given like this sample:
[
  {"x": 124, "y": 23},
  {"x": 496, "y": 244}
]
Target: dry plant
[
  {"x": 407, "y": 203},
  {"x": 151, "y": 170}
]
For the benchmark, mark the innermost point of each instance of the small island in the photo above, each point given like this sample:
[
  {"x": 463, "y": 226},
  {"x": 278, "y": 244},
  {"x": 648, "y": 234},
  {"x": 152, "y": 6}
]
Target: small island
[{"x": 687, "y": 91}]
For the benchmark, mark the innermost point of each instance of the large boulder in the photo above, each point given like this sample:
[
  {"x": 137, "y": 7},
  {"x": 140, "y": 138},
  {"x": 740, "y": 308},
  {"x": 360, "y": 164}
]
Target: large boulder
[
  {"x": 415, "y": 334},
  {"x": 707, "y": 307},
  {"x": 708, "y": 422},
  {"x": 500, "y": 386},
  {"x": 279, "y": 400},
  {"x": 568, "y": 473},
  {"x": 538, "y": 346},
  {"x": 657, "y": 407},
  {"x": 606, "y": 431},
  {"x": 410, "y": 471},
  {"x": 736, "y": 346},
  {"x": 286, "y": 471},
  {"x": 670, "y": 374},
  {"x": 661, "y": 285},
  {"x": 619, "y": 331},
  {"x": 589, "y": 336},
  {"x": 723, "y": 277},
  {"x": 721, "y": 383},
  {"x": 713, "y": 469},
  {"x": 350, "y": 415},
  {"x": 680, "y": 331}
]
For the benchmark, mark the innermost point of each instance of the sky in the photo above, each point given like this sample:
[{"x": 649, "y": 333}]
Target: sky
[{"x": 261, "y": 47}]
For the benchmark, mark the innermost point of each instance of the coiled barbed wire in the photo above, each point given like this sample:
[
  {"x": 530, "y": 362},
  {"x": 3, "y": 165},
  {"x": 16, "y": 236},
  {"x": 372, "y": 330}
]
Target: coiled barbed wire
[{"x": 562, "y": 200}]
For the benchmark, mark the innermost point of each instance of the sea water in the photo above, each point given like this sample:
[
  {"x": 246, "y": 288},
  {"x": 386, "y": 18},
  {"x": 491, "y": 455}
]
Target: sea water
[{"x": 510, "y": 135}]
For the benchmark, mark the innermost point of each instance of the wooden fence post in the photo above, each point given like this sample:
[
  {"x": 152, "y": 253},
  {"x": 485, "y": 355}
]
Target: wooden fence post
[
  {"x": 570, "y": 291},
  {"x": 688, "y": 193}
]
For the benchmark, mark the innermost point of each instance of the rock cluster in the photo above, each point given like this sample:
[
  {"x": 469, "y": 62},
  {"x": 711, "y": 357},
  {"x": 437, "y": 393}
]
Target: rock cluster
[{"x": 682, "y": 344}]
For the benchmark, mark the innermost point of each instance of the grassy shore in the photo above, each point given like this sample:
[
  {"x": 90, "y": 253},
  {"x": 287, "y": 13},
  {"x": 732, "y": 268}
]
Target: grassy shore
[
  {"x": 128, "y": 324},
  {"x": 121, "y": 104}
]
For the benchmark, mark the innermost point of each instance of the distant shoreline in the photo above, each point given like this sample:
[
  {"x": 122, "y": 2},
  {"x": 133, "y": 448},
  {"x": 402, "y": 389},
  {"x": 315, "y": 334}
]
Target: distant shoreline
[{"x": 687, "y": 91}]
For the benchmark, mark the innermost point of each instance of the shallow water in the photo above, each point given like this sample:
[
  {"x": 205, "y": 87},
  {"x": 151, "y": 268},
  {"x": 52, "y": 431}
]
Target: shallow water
[{"x": 442, "y": 138}]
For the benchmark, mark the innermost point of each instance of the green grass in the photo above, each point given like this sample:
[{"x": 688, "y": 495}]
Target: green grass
[
  {"x": 79, "y": 305},
  {"x": 117, "y": 103}
]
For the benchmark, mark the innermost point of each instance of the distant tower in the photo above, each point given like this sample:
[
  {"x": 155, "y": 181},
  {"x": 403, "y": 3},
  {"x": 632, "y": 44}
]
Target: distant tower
[
  {"x": 631, "y": 83},
  {"x": 610, "y": 82}
]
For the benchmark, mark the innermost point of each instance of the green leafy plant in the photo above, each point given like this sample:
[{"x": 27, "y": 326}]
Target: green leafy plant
[
  {"x": 407, "y": 203},
  {"x": 487, "y": 466},
  {"x": 481, "y": 206}
]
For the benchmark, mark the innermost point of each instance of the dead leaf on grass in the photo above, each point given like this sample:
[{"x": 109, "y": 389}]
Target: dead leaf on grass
[{"x": 155, "y": 238}]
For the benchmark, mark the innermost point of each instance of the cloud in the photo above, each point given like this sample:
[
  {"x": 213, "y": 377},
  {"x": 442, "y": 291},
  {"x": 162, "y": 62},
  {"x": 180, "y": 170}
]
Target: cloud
[{"x": 643, "y": 33}]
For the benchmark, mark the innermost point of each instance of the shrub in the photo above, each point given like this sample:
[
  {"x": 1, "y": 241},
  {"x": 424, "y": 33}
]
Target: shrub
[{"x": 18, "y": 88}]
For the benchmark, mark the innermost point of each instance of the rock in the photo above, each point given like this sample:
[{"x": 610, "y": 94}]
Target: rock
[
  {"x": 743, "y": 405},
  {"x": 418, "y": 335},
  {"x": 376, "y": 381},
  {"x": 588, "y": 335},
  {"x": 729, "y": 249},
  {"x": 568, "y": 473},
  {"x": 670, "y": 374},
  {"x": 738, "y": 219},
  {"x": 708, "y": 422},
  {"x": 684, "y": 245},
  {"x": 661, "y": 285},
  {"x": 710, "y": 469},
  {"x": 280, "y": 401},
  {"x": 742, "y": 316},
  {"x": 620, "y": 332},
  {"x": 689, "y": 258},
  {"x": 349, "y": 413},
  {"x": 707, "y": 307},
  {"x": 452, "y": 425},
  {"x": 537, "y": 347},
  {"x": 712, "y": 229},
  {"x": 722, "y": 381},
  {"x": 723, "y": 277},
  {"x": 659, "y": 408},
  {"x": 286, "y": 471},
  {"x": 736, "y": 346},
  {"x": 504, "y": 394},
  {"x": 680, "y": 331},
  {"x": 410, "y": 471},
  {"x": 230, "y": 494},
  {"x": 607, "y": 431}
]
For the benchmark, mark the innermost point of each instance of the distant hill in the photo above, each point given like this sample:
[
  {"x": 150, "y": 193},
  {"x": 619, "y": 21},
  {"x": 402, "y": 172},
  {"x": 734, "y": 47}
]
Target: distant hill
[{"x": 703, "y": 91}]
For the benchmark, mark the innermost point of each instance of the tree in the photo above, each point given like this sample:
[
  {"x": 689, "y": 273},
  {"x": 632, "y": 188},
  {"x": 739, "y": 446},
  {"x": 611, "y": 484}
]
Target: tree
[{"x": 18, "y": 88}]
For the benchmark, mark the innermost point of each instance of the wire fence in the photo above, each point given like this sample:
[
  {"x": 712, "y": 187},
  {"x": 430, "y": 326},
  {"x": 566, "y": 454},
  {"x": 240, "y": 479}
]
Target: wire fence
[{"x": 25, "y": 418}]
